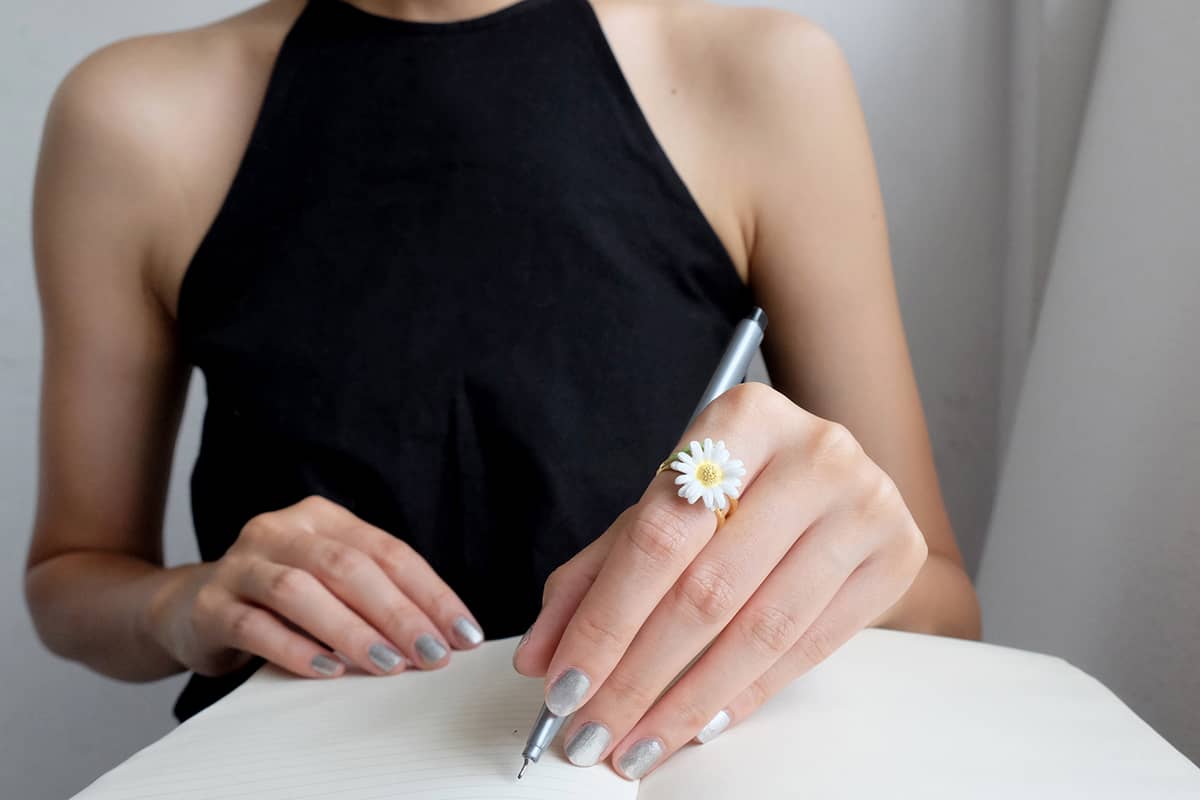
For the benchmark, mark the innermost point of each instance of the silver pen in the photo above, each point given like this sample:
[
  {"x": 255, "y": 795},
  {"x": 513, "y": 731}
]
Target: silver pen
[{"x": 731, "y": 370}]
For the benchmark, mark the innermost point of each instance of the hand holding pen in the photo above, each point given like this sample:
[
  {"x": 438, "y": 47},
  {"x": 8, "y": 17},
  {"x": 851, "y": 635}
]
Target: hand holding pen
[{"x": 765, "y": 541}]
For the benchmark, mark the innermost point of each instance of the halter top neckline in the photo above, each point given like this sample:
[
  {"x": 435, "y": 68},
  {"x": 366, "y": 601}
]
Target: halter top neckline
[{"x": 401, "y": 25}]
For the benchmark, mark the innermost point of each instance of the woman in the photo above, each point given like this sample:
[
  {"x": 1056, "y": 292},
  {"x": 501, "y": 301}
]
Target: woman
[{"x": 455, "y": 272}]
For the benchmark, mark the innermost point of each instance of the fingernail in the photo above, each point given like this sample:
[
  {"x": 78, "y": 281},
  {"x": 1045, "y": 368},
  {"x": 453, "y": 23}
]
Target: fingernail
[
  {"x": 566, "y": 692},
  {"x": 429, "y": 649},
  {"x": 384, "y": 657},
  {"x": 324, "y": 665},
  {"x": 468, "y": 630},
  {"x": 714, "y": 727},
  {"x": 520, "y": 644},
  {"x": 641, "y": 757},
  {"x": 584, "y": 748}
]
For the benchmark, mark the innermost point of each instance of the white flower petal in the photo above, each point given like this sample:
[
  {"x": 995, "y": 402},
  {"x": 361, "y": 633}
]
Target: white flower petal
[
  {"x": 722, "y": 502},
  {"x": 694, "y": 490},
  {"x": 697, "y": 450},
  {"x": 681, "y": 479},
  {"x": 733, "y": 490},
  {"x": 684, "y": 457},
  {"x": 708, "y": 448}
]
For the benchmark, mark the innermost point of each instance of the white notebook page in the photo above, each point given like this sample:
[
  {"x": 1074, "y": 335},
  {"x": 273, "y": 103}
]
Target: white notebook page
[
  {"x": 450, "y": 734},
  {"x": 889, "y": 715}
]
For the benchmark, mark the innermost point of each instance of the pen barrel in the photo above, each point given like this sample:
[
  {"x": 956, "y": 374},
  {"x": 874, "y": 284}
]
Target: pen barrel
[
  {"x": 731, "y": 370},
  {"x": 545, "y": 728}
]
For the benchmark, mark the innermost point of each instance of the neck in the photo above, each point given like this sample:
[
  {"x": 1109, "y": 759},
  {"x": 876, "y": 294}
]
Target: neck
[{"x": 431, "y": 10}]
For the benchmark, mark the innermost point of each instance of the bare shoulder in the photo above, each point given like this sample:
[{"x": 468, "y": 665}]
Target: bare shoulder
[
  {"x": 144, "y": 120},
  {"x": 746, "y": 54},
  {"x": 137, "y": 87}
]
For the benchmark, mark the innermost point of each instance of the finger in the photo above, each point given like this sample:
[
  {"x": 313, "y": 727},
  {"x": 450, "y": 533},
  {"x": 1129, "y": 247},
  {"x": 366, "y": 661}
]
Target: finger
[
  {"x": 255, "y": 630},
  {"x": 789, "y": 600},
  {"x": 693, "y": 709},
  {"x": 705, "y": 598},
  {"x": 358, "y": 581},
  {"x": 870, "y": 591},
  {"x": 298, "y": 596},
  {"x": 446, "y": 616},
  {"x": 564, "y": 588},
  {"x": 413, "y": 575},
  {"x": 655, "y": 540}
]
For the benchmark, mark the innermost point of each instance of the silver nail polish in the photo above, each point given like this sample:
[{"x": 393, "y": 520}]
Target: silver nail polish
[
  {"x": 324, "y": 665},
  {"x": 714, "y": 727},
  {"x": 429, "y": 649},
  {"x": 567, "y": 691},
  {"x": 638, "y": 759},
  {"x": 468, "y": 630},
  {"x": 384, "y": 657},
  {"x": 525, "y": 637},
  {"x": 584, "y": 748}
]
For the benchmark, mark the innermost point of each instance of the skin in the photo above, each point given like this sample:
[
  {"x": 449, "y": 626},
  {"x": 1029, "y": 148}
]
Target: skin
[{"x": 841, "y": 522}]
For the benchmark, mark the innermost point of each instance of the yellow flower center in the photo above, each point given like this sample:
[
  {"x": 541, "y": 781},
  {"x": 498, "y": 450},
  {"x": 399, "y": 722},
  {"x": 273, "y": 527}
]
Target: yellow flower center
[{"x": 709, "y": 474}]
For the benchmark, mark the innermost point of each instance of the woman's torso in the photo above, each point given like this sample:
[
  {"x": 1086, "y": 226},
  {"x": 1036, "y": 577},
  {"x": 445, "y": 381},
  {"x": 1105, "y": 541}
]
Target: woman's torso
[
  {"x": 671, "y": 54},
  {"x": 453, "y": 281}
]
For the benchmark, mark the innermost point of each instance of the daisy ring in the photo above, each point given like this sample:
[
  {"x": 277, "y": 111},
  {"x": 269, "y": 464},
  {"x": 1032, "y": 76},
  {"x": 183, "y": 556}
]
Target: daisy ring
[{"x": 708, "y": 473}]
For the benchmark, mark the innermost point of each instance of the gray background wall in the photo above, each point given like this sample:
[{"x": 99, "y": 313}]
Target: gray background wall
[
  {"x": 1093, "y": 552},
  {"x": 935, "y": 79}
]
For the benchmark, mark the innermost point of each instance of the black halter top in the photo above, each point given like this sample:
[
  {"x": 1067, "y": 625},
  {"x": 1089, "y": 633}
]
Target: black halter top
[{"x": 455, "y": 286}]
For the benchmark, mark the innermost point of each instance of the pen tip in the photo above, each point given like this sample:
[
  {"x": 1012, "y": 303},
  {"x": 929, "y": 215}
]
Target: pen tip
[{"x": 522, "y": 770}]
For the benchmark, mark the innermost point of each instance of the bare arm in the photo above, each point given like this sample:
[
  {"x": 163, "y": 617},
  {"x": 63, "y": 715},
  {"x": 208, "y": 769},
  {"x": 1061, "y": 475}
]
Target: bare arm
[
  {"x": 821, "y": 266},
  {"x": 299, "y": 582},
  {"x": 112, "y": 383}
]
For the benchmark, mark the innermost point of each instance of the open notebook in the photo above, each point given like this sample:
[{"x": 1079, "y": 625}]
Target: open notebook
[{"x": 889, "y": 715}]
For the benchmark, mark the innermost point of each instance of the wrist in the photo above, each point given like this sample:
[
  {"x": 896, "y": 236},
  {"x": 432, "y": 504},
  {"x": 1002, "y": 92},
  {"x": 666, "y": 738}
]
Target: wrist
[{"x": 158, "y": 624}]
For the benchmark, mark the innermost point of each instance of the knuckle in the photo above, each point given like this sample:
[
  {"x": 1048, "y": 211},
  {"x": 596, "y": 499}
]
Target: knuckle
[
  {"x": 553, "y": 585},
  {"x": 629, "y": 691},
  {"x": 881, "y": 495},
  {"x": 707, "y": 592},
  {"x": 315, "y": 504},
  {"x": 600, "y": 633},
  {"x": 288, "y": 583},
  {"x": 659, "y": 533},
  {"x": 690, "y": 716},
  {"x": 771, "y": 630},
  {"x": 242, "y": 624},
  {"x": 396, "y": 616},
  {"x": 398, "y": 555},
  {"x": 832, "y": 443},
  {"x": 815, "y": 646},
  {"x": 756, "y": 693},
  {"x": 443, "y": 597},
  {"x": 258, "y": 529},
  {"x": 339, "y": 562},
  {"x": 750, "y": 398},
  {"x": 204, "y": 606},
  {"x": 747, "y": 402},
  {"x": 918, "y": 548}
]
